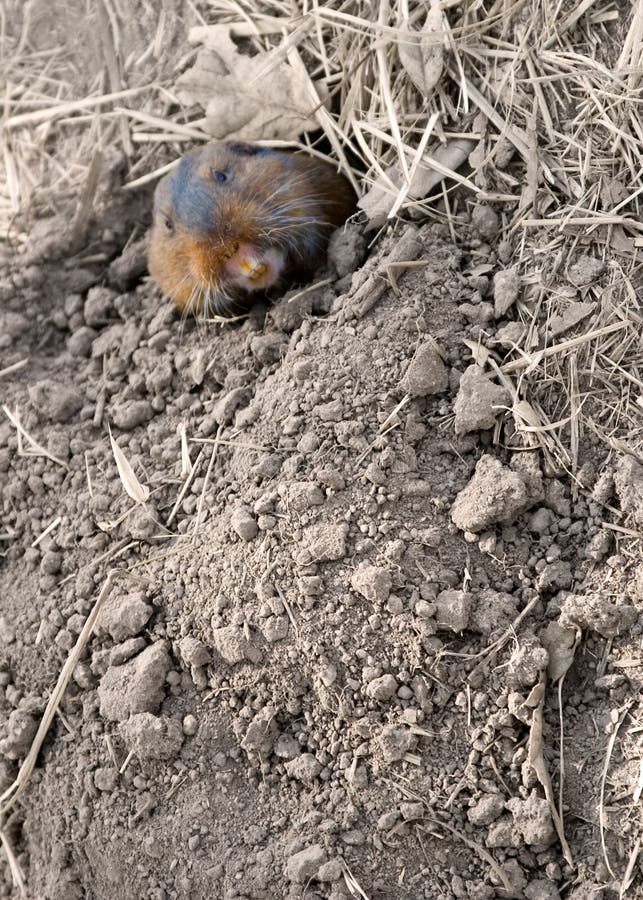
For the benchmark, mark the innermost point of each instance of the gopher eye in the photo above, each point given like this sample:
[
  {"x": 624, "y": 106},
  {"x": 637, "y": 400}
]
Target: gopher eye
[
  {"x": 169, "y": 224},
  {"x": 218, "y": 175}
]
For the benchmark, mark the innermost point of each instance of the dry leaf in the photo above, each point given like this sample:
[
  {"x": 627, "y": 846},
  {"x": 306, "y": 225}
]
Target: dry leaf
[
  {"x": 245, "y": 97},
  {"x": 423, "y": 56},
  {"x": 573, "y": 313},
  {"x": 133, "y": 487},
  {"x": 560, "y": 644},
  {"x": 535, "y": 696},
  {"x": 479, "y": 353}
]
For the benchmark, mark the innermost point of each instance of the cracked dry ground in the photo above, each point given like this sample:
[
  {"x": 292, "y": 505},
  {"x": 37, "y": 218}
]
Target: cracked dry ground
[{"x": 329, "y": 668}]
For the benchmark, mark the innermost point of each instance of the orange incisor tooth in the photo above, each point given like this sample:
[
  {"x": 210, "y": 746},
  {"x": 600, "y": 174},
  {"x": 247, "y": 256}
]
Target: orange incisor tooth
[{"x": 253, "y": 268}]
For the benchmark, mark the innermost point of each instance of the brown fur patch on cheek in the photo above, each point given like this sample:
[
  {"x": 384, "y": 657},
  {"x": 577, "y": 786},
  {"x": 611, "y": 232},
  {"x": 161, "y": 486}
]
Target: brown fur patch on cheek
[
  {"x": 205, "y": 262},
  {"x": 169, "y": 267}
]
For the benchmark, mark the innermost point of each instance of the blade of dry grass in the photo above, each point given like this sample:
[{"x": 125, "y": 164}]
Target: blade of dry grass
[
  {"x": 34, "y": 448},
  {"x": 64, "y": 109},
  {"x": 608, "y": 755},
  {"x": 14, "y": 865},
  {"x": 19, "y": 785},
  {"x": 15, "y": 367},
  {"x": 133, "y": 488}
]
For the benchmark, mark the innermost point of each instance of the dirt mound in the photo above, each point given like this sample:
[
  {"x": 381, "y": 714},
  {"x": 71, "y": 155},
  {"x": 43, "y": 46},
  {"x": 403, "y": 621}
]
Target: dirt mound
[{"x": 325, "y": 673}]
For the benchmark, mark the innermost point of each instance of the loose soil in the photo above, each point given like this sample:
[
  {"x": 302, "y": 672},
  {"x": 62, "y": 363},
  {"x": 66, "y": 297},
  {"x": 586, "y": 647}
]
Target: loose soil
[{"x": 309, "y": 678}]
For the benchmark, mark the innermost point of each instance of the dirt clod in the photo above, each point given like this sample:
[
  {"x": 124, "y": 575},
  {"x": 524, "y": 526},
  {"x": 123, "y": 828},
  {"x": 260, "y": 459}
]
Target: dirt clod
[
  {"x": 598, "y": 612},
  {"x": 244, "y": 523},
  {"x": 131, "y": 414},
  {"x": 453, "y": 609},
  {"x": 54, "y": 401},
  {"x": 586, "y": 270},
  {"x": 486, "y": 810},
  {"x": 532, "y": 820},
  {"x": 426, "y": 373},
  {"x": 479, "y": 402},
  {"x": 233, "y": 646},
  {"x": 136, "y": 686},
  {"x": 304, "y": 768},
  {"x": 325, "y": 543},
  {"x": 20, "y": 730},
  {"x": 494, "y": 494},
  {"x": 124, "y": 615},
  {"x": 485, "y": 220},
  {"x": 152, "y": 737},
  {"x": 372, "y": 582},
  {"x": 303, "y": 866}
]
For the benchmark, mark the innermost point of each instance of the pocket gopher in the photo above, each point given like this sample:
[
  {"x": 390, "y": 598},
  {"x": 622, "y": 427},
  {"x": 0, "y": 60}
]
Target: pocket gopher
[{"x": 233, "y": 219}]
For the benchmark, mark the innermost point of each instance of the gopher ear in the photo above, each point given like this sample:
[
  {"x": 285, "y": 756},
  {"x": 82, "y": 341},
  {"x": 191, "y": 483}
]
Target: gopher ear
[{"x": 243, "y": 149}]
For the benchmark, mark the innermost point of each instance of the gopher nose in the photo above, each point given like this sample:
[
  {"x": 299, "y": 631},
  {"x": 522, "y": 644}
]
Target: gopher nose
[{"x": 206, "y": 258}]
